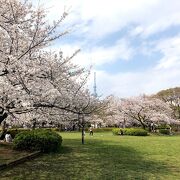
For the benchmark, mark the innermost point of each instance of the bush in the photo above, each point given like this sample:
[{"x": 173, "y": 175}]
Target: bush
[
  {"x": 102, "y": 129},
  {"x": 165, "y": 131},
  {"x": 51, "y": 129},
  {"x": 38, "y": 140},
  {"x": 164, "y": 126},
  {"x": 116, "y": 131},
  {"x": 14, "y": 132},
  {"x": 175, "y": 128},
  {"x": 135, "y": 132},
  {"x": 130, "y": 132},
  {"x": 56, "y": 129}
]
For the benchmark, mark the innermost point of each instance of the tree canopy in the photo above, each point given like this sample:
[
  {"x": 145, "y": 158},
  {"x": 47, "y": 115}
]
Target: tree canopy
[{"x": 34, "y": 81}]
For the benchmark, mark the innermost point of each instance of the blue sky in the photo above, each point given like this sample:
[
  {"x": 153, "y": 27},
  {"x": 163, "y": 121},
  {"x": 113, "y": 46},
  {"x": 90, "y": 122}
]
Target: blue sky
[{"x": 133, "y": 45}]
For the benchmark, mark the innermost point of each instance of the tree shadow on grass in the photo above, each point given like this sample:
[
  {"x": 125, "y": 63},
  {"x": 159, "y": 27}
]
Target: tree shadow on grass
[
  {"x": 7, "y": 153},
  {"x": 65, "y": 150},
  {"x": 94, "y": 160},
  {"x": 105, "y": 160}
]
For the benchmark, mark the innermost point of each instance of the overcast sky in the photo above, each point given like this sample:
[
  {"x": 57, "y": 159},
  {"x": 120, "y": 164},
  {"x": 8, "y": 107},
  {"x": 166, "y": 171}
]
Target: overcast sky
[{"x": 133, "y": 45}]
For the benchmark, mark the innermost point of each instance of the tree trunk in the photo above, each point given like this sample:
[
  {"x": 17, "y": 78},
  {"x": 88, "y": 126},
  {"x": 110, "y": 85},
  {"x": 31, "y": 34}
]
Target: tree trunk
[
  {"x": 124, "y": 124},
  {"x": 4, "y": 130},
  {"x": 144, "y": 127},
  {"x": 142, "y": 123},
  {"x": 83, "y": 130},
  {"x": 34, "y": 124},
  {"x": 79, "y": 128},
  {"x": 178, "y": 109},
  {"x": 83, "y": 134},
  {"x": 3, "y": 116}
]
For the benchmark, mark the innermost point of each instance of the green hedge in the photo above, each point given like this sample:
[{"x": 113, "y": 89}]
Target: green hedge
[
  {"x": 43, "y": 140},
  {"x": 14, "y": 132},
  {"x": 135, "y": 132},
  {"x": 164, "y": 131},
  {"x": 164, "y": 126},
  {"x": 102, "y": 129},
  {"x": 130, "y": 131},
  {"x": 116, "y": 131},
  {"x": 51, "y": 129}
]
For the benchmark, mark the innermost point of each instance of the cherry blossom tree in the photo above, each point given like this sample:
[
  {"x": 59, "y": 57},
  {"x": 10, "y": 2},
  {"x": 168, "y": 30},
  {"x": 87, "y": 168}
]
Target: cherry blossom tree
[
  {"x": 172, "y": 97},
  {"x": 23, "y": 34},
  {"x": 146, "y": 110},
  {"x": 41, "y": 84},
  {"x": 114, "y": 117}
]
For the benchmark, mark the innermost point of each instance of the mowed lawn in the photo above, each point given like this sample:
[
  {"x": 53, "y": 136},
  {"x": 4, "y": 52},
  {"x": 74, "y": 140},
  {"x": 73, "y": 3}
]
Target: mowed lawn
[{"x": 105, "y": 156}]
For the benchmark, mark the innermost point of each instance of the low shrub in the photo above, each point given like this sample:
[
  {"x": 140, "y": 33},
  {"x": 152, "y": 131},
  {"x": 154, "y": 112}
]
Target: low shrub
[
  {"x": 164, "y": 126},
  {"x": 43, "y": 140},
  {"x": 103, "y": 129},
  {"x": 175, "y": 128},
  {"x": 164, "y": 131},
  {"x": 116, "y": 131},
  {"x": 14, "y": 132},
  {"x": 135, "y": 132},
  {"x": 51, "y": 129},
  {"x": 56, "y": 129},
  {"x": 130, "y": 131}
]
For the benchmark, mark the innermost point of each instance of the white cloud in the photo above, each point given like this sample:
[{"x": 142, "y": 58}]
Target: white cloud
[
  {"x": 97, "y": 19},
  {"x": 134, "y": 84},
  {"x": 165, "y": 74},
  {"x": 170, "y": 48},
  {"x": 98, "y": 55}
]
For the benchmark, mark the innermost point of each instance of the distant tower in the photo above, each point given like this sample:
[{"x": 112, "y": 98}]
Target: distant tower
[{"x": 95, "y": 88}]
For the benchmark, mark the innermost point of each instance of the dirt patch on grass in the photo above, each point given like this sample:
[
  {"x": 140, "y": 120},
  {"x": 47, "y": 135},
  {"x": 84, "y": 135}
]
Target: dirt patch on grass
[{"x": 7, "y": 153}]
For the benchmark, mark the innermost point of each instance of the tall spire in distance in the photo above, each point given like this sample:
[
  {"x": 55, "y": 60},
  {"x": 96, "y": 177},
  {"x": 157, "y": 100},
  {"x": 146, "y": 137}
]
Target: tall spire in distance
[{"x": 95, "y": 88}]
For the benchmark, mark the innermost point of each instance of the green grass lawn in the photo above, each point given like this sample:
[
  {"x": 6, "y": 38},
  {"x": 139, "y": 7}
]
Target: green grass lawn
[{"x": 105, "y": 156}]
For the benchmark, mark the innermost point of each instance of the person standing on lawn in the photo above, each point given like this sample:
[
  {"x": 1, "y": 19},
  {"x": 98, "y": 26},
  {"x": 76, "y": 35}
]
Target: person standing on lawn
[{"x": 91, "y": 131}]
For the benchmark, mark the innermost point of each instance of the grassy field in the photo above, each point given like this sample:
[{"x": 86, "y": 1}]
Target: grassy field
[
  {"x": 105, "y": 156},
  {"x": 8, "y": 154}
]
